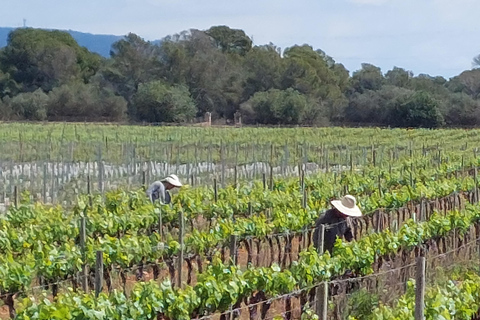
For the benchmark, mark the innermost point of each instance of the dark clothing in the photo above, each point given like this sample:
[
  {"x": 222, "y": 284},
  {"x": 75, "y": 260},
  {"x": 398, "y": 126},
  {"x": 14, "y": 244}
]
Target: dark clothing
[
  {"x": 335, "y": 225},
  {"x": 157, "y": 191}
]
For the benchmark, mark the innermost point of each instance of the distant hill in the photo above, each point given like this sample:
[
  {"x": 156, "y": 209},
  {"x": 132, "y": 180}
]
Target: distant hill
[{"x": 99, "y": 43}]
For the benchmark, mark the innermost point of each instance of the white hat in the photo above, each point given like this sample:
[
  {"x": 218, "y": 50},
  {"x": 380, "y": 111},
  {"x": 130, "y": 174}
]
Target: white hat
[
  {"x": 173, "y": 180},
  {"x": 348, "y": 206}
]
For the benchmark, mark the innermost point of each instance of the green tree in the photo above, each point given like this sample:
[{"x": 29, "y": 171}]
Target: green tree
[
  {"x": 276, "y": 107},
  {"x": 214, "y": 79},
  {"x": 419, "y": 110},
  {"x": 398, "y": 77},
  {"x": 463, "y": 110},
  {"x": 264, "y": 67},
  {"x": 157, "y": 101},
  {"x": 44, "y": 59},
  {"x": 317, "y": 76},
  {"x": 28, "y": 106},
  {"x": 374, "y": 107},
  {"x": 80, "y": 101},
  {"x": 467, "y": 82},
  {"x": 133, "y": 61},
  {"x": 369, "y": 77},
  {"x": 8, "y": 86},
  {"x": 432, "y": 85},
  {"x": 230, "y": 40}
]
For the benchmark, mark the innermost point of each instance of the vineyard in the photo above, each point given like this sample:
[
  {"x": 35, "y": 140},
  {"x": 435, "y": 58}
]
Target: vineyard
[{"x": 79, "y": 239}]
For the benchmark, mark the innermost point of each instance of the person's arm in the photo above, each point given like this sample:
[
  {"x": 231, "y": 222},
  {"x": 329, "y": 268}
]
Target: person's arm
[{"x": 150, "y": 191}]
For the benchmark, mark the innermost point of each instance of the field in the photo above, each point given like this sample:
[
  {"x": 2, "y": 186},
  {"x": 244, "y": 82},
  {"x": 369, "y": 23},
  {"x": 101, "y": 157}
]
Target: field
[{"x": 80, "y": 240}]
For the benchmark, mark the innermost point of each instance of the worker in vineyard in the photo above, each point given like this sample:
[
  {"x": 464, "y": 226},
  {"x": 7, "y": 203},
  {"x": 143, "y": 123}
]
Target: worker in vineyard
[
  {"x": 158, "y": 190},
  {"x": 337, "y": 222}
]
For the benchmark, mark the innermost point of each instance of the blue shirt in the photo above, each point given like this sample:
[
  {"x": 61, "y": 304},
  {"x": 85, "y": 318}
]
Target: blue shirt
[{"x": 156, "y": 191}]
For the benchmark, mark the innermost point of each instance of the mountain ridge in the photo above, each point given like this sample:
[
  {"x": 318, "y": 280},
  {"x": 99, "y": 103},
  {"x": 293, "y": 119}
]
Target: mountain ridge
[{"x": 98, "y": 43}]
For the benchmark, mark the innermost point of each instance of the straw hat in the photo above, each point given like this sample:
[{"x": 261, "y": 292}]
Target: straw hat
[
  {"x": 348, "y": 206},
  {"x": 173, "y": 180}
]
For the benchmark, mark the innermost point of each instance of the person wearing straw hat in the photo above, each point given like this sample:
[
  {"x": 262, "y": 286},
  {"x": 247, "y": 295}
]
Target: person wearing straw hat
[
  {"x": 158, "y": 190},
  {"x": 336, "y": 221}
]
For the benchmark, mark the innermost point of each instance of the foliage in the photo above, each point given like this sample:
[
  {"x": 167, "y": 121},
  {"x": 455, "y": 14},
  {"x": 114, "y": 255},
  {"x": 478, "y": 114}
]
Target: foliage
[
  {"x": 44, "y": 59},
  {"x": 419, "y": 110},
  {"x": 82, "y": 101},
  {"x": 158, "y": 102},
  {"x": 278, "y": 106},
  {"x": 28, "y": 106},
  {"x": 222, "y": 71},
  {"x": 230, "y": 40}
]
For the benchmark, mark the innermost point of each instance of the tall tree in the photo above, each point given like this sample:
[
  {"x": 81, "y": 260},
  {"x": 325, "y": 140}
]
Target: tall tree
[
  {"x": 467, "y": 82},
  {"x": 44, "y": 59},
  {"x": 214, "y": 78},
  {"x": 316, "y": 75},
  {"x": 398, "y": 77},
  {"x": 369, "y": 77},
  {"x": 230, "y": 40},
  {"x": 133, "y": 61},
  {"x": 264, "y": 66}
]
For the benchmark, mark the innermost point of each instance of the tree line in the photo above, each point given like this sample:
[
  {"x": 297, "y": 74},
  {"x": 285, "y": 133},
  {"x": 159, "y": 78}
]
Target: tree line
[{"x": 46, "y": 75}]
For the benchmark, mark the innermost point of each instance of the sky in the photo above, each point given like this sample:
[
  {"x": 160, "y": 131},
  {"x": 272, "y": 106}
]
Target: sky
[{"x": 435, "y": 37}]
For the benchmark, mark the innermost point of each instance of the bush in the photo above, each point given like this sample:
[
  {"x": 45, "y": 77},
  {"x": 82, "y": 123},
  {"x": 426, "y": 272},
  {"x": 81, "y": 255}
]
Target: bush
[
  {"x": 420, "y": 110},
  {"x": 79, "y": 101},
  {"x": 157, "y": 101},
  {"x": 276, "y": 107},
  {"x": 27, "y": 106}
]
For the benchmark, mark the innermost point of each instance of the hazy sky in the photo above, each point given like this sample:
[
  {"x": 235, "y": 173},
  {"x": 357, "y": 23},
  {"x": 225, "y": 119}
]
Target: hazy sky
[{"x": 437, "y": 37}]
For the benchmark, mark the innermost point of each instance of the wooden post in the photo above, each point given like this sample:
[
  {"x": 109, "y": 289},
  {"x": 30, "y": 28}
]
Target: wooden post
[
  {"x": 380, "y": 185},
  {"x": 411, "y": 174},
  {"x": 320, "y": 239},
  {"x": 144, "y": 180},
  {"x": 264, "y": 180},
  {"x": 302, "y": 180},
  {"x": 215, "y": 189},
  {"x": 322, "y": 301},
  {"x": 271, "y": 177},
  {"x": 222, "y": 156},
  {"x": 351, "y": 162},
  {"x": 99, "y": 273},
  {"x": 250, "y": 209},
  {"x": 420, "y": 289},
  {"x": 321, "y": 292},
  {"x": 233, "y": 249},
  {"x": 89, "y": 191},
  {"x": 44, "y": 183},
  {"x": 235, "y": 177},
  {"x": 160, "y": 223},
  {"x": 180, "y": 241},
  {"x": 15, "y": 196},
  {"x": 475, "y": 189},
  {"x": 423, "y": 216},
  {"x": 233, "y": 256},
  {"x": 305, "y": 198},
  {"x": 83, "y": 238}
]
